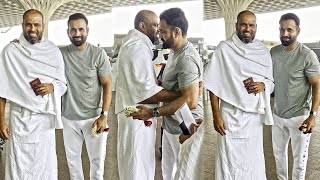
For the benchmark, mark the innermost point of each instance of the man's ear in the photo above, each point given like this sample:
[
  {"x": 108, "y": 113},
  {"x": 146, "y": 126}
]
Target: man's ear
[
  {"x": 142, "y": 26},
  {"x": 177, "y": 32},
  {"x": 298, "y": 30},
  {"x": 87, "y": 30}
]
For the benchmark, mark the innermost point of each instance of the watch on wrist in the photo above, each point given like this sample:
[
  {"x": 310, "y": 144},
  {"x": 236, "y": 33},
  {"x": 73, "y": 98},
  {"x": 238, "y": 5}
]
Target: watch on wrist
[
  {"x": 156, "y": 112},
  {"x": 313, "y": 113},
  {"x": 104, "y": 113}
]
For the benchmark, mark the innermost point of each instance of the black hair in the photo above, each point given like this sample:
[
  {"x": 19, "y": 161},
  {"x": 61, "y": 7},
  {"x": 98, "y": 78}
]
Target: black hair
[
  {"x": 290, "y": 16},
  {"x": 77, "y": 16},
  {"x": 175, "y": 17}
]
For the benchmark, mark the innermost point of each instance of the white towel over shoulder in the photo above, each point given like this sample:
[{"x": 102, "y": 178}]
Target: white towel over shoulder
[
  {"x": 232, "y": 62},
  {"x": 23, "y": 62}
]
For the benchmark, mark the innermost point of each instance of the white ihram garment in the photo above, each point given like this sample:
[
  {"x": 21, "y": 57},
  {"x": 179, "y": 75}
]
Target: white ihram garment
[
  {"x": 190, "y": 154},
  {"x": 136, "y": 82},
  {"x": 136, "y": 148},
  {"x": 233, "y": 62},
  {"x": 31, "y": 148},
  {"x": 282, "y": 131}
]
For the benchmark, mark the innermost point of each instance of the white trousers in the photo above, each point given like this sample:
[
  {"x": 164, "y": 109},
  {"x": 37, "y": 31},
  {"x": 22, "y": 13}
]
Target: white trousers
[
  {"x": 239, "y": 153},
  {"x": 170, "y": 154},
  {"x": 136, "y": 148},
  {"x": 74, "y": 133},
  {"x": 31, "y": 150},
  {"x": 282, "y": 131}
]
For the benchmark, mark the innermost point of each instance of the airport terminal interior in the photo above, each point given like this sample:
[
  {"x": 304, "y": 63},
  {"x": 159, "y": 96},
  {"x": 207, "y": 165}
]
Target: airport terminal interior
[{"x": 11, "y": 12}]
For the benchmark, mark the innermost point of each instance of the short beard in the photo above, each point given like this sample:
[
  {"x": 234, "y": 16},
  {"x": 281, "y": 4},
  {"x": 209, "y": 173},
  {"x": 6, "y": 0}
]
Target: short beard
[
  {"x": 154, "y": 40},
  {"x": 167, "y": 44},
  {"x": 287, "y": 43},
  {"x": 78, "y": 43},
  {"x": 243, "y": 39},
  {"x": 246, "y": 40},
  {"x": 32, "y": 40}
]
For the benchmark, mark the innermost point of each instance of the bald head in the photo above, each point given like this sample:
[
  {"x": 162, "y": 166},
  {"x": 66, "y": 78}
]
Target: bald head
[
  {"x": 245, "y": 13},
  {"x": 147, "y": 22},
  {"x": 143, "y": 16},
  {"x": 246, "y": 26},
  {"x": 31, "y": 12}
]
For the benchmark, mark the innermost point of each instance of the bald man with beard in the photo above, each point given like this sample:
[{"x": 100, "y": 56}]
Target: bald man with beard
[
  {"x": 239, "y": 78},
  {"x": 33, "y": 80}
]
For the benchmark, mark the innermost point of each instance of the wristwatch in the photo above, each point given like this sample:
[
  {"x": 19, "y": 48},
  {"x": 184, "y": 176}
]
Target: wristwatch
[
  {"x": 104, "y": 113},
  {"x": 313, "y": 113},
  {"x": 156, "y": 112}
]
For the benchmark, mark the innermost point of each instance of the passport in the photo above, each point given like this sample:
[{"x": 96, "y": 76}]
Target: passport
[
  {"x": 35, "y": 84},
  {"x": 247, "y": 83}
]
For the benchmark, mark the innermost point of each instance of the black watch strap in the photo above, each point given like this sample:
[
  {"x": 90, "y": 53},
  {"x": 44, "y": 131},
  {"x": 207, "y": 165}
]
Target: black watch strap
[{"x": 156, "y": 112}]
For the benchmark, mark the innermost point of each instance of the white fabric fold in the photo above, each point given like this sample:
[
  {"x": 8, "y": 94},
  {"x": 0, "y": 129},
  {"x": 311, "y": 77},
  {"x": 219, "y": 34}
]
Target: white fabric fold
[
  {"x": 23, "y": 62},
  {"x": 136, "y": 79},
  {"x": 232, "y": 62}
]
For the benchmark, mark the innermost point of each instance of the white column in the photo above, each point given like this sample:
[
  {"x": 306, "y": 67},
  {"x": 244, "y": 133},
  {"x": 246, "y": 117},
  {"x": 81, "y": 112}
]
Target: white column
[
  {"x": 46, "y": 7},
  {"x": 230, "y": 10}
]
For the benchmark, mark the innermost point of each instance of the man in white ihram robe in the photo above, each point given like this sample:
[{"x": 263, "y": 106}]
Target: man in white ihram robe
[
  {"x": 243, "y": 108},
  {"x": 31, "y": 146}
]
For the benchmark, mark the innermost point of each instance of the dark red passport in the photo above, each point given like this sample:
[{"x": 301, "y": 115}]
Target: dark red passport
[
  {"x": 35, "y": 84},
  {"x": 247, "y": 83}
]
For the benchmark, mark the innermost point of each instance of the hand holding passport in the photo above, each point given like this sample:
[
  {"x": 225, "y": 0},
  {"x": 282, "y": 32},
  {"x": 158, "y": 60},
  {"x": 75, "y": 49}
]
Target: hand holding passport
[
  {"x": 247, "y": 83},
  {"x": 35, "y": 85},
  {"x": 253, "y": 87}
]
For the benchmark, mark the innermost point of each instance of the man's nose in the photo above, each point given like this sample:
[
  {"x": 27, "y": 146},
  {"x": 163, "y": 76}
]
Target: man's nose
[
  {"x": 77, "y": 33},
  {"x": 285, "y": 33},
  {"x": 246, "y": 28},
  {"x": 33, "y": 28}
]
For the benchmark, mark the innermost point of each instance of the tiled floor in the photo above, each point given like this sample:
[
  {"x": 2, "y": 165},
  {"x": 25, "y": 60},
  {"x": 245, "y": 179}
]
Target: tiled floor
[{"x": 111, "y": 169}]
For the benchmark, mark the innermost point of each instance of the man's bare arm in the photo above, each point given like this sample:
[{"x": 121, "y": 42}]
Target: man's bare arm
[
  {"x": 2, "y": 108},
  {"x": 162, "y": 96},
  {"x": 189, "y": 94},
  {"x": 315, "y": 83},
  {"x": 106, "y": 82},
  {"x": 4, "y": 129},
  {"x": 218, "y": 122},
  {"x": 311, "y": 120}
]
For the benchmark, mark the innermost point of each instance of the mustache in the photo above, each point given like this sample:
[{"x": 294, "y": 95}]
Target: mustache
[
  {"x": 282, "y": 37},
  {"x": 73, "y": 37},
  {"x": 29, "y": 32},
  {"x": 245, "y": 32}
]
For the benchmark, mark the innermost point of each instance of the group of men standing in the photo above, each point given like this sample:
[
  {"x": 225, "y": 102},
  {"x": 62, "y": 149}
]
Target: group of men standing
[
  {"x": 35, "y": 75},
  {"x": 241, "y": 76}
]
